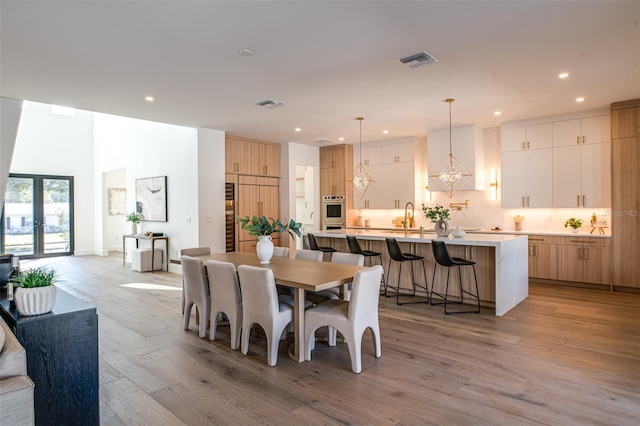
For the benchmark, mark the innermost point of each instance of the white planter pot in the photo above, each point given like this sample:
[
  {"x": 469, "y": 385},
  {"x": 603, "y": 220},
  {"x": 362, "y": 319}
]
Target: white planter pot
[
  {"x": 35, "y": 301},
  {"x": 264, "y": 248},
  {"x": 134, "y": 228}
]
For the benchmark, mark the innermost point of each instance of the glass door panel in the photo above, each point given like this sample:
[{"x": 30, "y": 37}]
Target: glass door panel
[
  {"x": 56, "y": 232},
  {"x": 18, "y": 217}
]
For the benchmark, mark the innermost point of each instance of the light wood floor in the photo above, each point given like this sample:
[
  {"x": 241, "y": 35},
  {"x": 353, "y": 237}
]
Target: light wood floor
[{"x": 565, "y": 356}]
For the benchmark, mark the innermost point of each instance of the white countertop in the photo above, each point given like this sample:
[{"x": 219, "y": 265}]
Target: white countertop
[
  {"x": 428, "y": 232},
  {"x": 491, "y": 240}
]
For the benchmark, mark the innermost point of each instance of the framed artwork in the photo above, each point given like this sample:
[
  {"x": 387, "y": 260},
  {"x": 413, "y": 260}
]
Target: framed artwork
[
  {"x": 117, "y": 201},
  {"x": 151, "y": 198}
]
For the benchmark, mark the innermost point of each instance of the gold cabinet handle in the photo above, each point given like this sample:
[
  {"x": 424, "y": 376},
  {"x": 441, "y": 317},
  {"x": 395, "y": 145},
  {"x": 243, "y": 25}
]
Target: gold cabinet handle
[
  {"x": 586, "y": 253},
  {"x": 583, "y": 139},
  {"x": 584, "y": 204},
  {"x": 522, "y": 145},
  {"x": 577, "y": 139},
  {"x": 530, "y": 251},
  {"x": 577, "y": 201},
  {"x": 528, "y": 145},
  {"x": 580, "y": 253}
]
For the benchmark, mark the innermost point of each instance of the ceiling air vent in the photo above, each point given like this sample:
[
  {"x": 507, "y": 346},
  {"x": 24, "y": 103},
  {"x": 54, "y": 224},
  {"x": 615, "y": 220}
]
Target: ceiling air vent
[
  {"x": 323, "y": 141},
  {"x": 417, "y": 60},
  {"x": 269, "y": 103}
]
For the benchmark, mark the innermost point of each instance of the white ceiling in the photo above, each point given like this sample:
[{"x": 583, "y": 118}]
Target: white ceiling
[{"x": 328, "y": 61}]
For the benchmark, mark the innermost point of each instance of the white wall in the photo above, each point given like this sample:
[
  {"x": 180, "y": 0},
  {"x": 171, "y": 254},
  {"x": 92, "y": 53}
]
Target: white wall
[
  {"x": 211, "y": 167},
  {"x": 10, "y": 110},
  {"x": 149, "y": 149},
  {"x": 61, "y": 145}
]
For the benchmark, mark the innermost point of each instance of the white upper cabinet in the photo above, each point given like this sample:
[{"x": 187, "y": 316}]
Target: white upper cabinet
[
  {"x": 391, "y": 165},
  {"x": 582, "y": 131},
  {"x": 467, "y": 145},
  {"x": 526, "y": 179},
  {"x": 535, "y": 136}
]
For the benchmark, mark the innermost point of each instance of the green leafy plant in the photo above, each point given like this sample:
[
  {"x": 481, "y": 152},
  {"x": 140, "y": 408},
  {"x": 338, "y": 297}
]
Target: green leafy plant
[
  {"x": 36, "y": 277},
  {"x": 134, "y": 217},
  {"x": 573, "y": 222},
  {"x": 259, "y": 226},
  {"x": 435, "y": 214}
]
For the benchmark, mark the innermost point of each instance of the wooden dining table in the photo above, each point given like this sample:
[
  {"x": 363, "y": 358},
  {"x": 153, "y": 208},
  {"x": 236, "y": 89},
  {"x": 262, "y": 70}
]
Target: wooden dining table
[{"x": 299, "y": 274}]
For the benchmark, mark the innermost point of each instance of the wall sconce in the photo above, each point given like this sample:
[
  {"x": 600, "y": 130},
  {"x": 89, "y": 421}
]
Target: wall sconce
[
  {"x": 427, "y": 194},
  {"x": 493, "y": 184}
]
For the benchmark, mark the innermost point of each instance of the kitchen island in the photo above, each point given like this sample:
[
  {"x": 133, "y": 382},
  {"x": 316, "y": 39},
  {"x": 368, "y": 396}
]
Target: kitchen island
[{"x": 501, "y": 260}]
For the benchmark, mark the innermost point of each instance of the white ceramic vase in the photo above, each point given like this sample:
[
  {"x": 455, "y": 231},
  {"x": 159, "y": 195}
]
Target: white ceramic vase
[
  {"x": 35, "y": 301},
  {"x": 458, "y": 232},
  {"x": 442, "y": 228},
  {"x": 264, "y": 248},
  {"x": 134, "y": 228}
]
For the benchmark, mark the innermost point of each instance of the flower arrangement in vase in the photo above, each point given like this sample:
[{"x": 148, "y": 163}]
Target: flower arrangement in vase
[
  {"x": 574, "y": 223},
  {"x": 134, "y": 218},
  {"x": 263, "y": 228},
  {"x": 439, "y": 216}
]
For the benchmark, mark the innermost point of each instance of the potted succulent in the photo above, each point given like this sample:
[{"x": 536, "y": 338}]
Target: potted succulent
[
  {"x": 263, "y": 228},
  {"x": 439, "y": 216},
  {"x": 574, "y": 223},
  {"x": 35, "y": 293},
  {"x": 134, "y": 218}
]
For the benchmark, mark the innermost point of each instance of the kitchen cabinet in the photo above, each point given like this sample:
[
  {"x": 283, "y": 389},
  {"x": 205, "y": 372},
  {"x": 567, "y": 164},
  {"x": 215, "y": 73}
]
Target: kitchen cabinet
[
  {"x": 260, "y": 197},
  {"x": 582, "y": 175},
  {"x": 527, "y": 178},
  {"x": 334, "y": 162},
  {"x": 625, "y": 193},
  {"x": 584, "y": 260},
  {"x": 467, "y": 145},
  {"x": 582, "y": 131},
  {"x": 543, "y": 262},
  {"x": 372, "y": 199},
  {"x": 518, "y": 138},
  {"x": 251, "y": 157}
]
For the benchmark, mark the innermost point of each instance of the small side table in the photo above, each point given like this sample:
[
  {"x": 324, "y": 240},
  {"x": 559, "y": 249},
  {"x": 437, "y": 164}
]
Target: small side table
[{"x": 153, "y": 240}]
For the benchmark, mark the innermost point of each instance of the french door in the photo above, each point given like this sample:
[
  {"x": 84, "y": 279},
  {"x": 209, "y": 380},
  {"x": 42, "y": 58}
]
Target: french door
[{"x": 38, "y": 216}]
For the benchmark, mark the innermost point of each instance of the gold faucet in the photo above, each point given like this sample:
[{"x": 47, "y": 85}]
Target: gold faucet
[
  {"x": 459, "y": 206},
  {"x": 406, "y": 219}
]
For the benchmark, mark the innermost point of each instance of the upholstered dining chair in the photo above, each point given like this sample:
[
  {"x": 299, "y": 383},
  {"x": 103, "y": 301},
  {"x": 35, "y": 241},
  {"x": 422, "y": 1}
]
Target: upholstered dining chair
[
  {"x": 309, "y": 255},
  {"x": 193, "y": 251},
  {"x": 260, "y": 306},
  {"x": 350, "y": 318},
  {"x": 281, "y": 251},
  {"x": 346, "y": 259},
  {"x": 196, "y": 292},
  {"x": 225, "y": 299}
]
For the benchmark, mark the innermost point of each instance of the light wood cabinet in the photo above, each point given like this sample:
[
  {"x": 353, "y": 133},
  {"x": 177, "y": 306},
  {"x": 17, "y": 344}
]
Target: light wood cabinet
[
  {"x": 334, "y": 162},
  {"x": 519, "y": 138},
  {"x": 260, "y": 197},
  {"x": 543, "y": 261},
  {"x": 251, "y": 157},
  {"x": 625, "y": 193},
  {"x": 584, "y": 260},
  {"x": 527, "y": 178}
]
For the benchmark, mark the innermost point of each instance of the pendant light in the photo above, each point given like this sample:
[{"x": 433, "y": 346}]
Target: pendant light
[
  {"x": 450, "y": 172},
  {"x": 362, "y": 180}
]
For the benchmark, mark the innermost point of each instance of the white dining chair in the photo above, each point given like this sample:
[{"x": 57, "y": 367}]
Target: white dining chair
[
  {"x": 350, "y": 318},
  {"x": 260, "y": 306},
  {"x": 193, "y": 251},
  {"x": 281, "y": 251},
  {"x": 346, "y": 259},
  {"x": 196, "y": 292},
  {"x": 225, "y": 299},
  {"x": 309, "y": 255}
]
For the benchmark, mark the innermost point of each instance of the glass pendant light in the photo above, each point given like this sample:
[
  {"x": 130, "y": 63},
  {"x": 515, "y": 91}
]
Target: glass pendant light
[
  {"x": 362, "y": 180},
  {"x": 452, "y": 171}
]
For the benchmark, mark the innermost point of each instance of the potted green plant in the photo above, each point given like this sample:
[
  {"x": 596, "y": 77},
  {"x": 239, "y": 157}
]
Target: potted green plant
[
  {"x": 574, "y": 223},
  {"x": 134, "y": 218},
  {"x": 34, "y": 292},
  {"x": 263, "y": 228},
  {"x": 439, "y": 216}
]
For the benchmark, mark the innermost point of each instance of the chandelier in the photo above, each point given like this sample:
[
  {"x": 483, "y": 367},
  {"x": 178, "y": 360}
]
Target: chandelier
[
  {"x": 362, "y": 180},
  {"x": 451, "y": 171}
]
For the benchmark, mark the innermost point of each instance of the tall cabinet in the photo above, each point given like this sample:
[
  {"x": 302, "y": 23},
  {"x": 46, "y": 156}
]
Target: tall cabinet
[
  {"x": 625, "y": 193},
  {"x": 254, "y": 168}
]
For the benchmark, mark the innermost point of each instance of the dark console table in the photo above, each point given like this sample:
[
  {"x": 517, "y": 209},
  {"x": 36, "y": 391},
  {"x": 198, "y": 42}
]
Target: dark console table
[{"x": 62, "y": 359}]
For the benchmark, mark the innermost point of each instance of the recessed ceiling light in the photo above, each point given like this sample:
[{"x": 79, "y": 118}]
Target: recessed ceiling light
[
  {"x": 340, "y": 138},
  {"x": 298, "y": 129},
  {"x": 497, "y": 113},
  {"x": 580, "y": 99},
  {"x": 563, "y": 75},
  {"x": 149, "y": 98},
  {"x": 245, "y": 52},
  {"x": 385, "y": 131}
]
